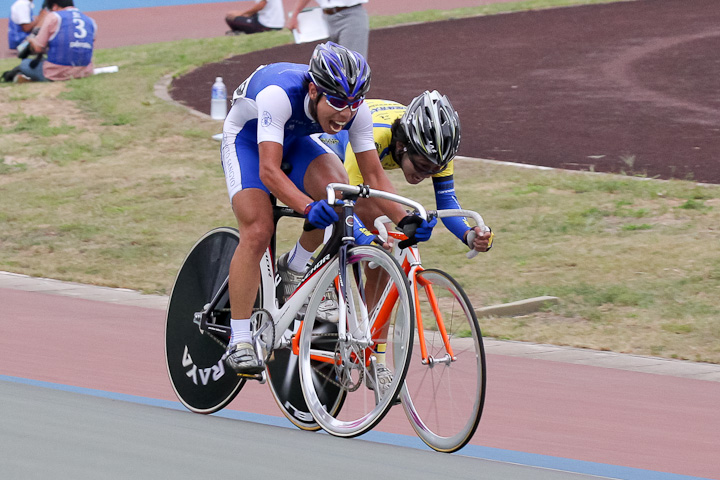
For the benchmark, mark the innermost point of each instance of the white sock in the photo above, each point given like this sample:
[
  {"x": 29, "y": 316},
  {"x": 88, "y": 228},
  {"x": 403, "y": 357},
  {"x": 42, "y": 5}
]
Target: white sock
[
  {"x": 298, "y": 258},
  {"x": 240, "y": 331},
  {"x": 380, "y": 353}
]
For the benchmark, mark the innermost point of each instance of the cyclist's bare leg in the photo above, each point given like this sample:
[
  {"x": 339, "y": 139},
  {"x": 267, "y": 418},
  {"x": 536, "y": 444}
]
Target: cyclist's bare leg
[
  {"x": 368, "y": 210},
  {"x": 253, "y": 212}
]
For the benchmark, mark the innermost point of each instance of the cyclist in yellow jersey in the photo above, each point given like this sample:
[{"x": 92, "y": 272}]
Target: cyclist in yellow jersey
[
  {"x": 405, "y": 137},
  {"x": 421, "y": 139}
]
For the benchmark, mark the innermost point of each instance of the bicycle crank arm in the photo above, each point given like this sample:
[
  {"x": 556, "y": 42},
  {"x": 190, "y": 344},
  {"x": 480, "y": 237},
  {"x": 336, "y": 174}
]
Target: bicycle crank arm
[{"x": 201, "y": 320}]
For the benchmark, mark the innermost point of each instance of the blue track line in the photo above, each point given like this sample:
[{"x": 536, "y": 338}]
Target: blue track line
[{"x": 475, "y": 451}]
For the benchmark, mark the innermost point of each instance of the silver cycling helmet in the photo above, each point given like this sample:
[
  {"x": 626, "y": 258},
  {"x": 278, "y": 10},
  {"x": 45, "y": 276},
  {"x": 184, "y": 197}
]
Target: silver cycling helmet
[
  {"x": 432, "y": 127},
  {"x": 339, "y": 72}
]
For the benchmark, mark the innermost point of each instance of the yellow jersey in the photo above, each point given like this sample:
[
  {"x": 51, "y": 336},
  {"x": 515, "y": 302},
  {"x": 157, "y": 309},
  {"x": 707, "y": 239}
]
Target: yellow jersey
[{"x": 384, "y": 114}]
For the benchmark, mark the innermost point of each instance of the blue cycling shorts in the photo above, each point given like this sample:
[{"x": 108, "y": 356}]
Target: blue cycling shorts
[{"x": 241, "y": 160}]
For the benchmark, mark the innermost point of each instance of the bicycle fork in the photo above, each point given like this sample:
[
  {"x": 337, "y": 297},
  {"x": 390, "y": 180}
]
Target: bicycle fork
[{"x": 427, "y": 359}]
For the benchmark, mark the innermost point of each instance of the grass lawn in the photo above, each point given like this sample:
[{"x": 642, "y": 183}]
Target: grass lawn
[{"x": 101, "y": 182}]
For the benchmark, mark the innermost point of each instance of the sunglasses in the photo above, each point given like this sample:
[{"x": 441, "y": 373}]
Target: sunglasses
[
  {"x": 424, "y": 169},
  {"x": 341, "y": 104}
]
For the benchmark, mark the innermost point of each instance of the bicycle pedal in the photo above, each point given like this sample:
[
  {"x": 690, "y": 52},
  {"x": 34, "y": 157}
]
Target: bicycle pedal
[
  {"x": 250, "y": 376},
  {"x": 260, "y": 377}
]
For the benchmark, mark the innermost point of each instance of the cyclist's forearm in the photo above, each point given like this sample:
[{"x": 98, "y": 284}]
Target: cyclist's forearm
[
  {"x": 285, "y": 190},
  {"x": 276, "y": 181},
  {"x": 393, "y": 210},
  {"x": 445, "y": 199},
  {"x": 376, "y": 178}
]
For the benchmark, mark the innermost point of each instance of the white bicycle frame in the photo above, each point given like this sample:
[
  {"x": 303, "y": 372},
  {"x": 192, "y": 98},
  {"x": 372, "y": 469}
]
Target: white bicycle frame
[{"x": 284, "y": 316}]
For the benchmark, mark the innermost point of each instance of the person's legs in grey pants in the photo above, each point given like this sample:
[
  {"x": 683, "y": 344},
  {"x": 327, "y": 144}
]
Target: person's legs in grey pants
[{"x": 350, "y": 28}]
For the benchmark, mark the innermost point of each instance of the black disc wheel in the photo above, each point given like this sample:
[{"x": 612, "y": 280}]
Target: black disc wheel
[{"x": 194, "y": 358}]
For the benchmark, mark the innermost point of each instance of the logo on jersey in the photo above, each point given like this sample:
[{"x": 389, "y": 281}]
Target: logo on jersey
[{"x": 266, "y": 119}]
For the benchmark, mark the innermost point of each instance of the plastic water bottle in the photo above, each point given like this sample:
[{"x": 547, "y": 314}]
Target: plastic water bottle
[{"x": 218, "y": 104}]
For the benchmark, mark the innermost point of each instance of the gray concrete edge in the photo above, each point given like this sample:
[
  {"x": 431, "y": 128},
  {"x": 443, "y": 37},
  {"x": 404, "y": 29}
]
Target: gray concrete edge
[{"x": 554, "y": 353}]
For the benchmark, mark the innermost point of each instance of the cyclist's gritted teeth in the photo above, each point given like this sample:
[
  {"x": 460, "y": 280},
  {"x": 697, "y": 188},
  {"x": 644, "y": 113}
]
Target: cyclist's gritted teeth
[{"x": 337, "y": 126}]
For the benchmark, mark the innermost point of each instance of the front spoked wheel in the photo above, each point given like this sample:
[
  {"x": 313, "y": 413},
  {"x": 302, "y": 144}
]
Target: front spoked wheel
[
  {"x": 372, "y": 353},
  {"x": 444, "y": 389}
]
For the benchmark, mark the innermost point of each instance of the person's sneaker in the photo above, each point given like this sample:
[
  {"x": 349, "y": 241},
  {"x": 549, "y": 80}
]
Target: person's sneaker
[
  {"x": 289, "y": 279},
  {"x": 385, "y": 377},
  {"x": 242, "y": 358},
  {"x": 328, "y": 310},
  {"x": 10, "y": 75},
  {"x": 21, "y": 78}
]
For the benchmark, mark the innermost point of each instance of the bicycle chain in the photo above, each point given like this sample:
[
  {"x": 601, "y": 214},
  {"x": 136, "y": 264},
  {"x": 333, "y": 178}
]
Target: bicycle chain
[
  {"x": 271, "y": 325},
  {"x": 224, "y": 345}
]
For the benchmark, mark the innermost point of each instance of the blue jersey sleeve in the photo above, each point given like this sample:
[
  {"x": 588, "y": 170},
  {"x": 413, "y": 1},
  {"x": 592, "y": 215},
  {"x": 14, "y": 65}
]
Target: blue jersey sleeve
[
  {"x": 362, "y": 235},
  {"x": 444, "y": 199}
]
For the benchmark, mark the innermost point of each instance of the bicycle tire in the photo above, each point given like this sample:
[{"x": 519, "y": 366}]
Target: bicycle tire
[
  {"x": 362, "y": 409},
  {"x": 284, "y": 382},
  {"x": 444, "y": 399},
  {"x": 193, "y": 358}
]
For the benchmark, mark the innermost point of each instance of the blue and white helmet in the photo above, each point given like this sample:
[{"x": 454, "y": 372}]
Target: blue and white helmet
[{"x": 339, "y": 72}]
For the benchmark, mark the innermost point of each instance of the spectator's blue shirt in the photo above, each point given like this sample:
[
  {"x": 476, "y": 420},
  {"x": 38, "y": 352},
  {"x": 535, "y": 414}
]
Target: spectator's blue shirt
[{"x": 72, "y": 44}]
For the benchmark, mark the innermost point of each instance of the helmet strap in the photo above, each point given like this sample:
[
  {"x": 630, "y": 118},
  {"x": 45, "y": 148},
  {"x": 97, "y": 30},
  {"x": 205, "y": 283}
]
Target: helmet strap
[
  {"x": 398, "y": 145},
  {"x": 397, "y": 152}
]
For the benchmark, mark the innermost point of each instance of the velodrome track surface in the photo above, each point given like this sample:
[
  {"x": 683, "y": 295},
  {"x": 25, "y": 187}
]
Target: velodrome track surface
[
  {"x": 582, "y": 418},
  {"x": 586, "y": 418}
]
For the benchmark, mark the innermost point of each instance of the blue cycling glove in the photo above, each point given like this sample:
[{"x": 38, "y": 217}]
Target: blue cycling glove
[
  {"x": 416, "y": 229},
  {"x": 320, "y": 214}
]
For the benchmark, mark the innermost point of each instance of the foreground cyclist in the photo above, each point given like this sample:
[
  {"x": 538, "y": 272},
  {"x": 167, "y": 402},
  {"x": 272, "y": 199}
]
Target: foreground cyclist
[{"x": 274, "y": 112}]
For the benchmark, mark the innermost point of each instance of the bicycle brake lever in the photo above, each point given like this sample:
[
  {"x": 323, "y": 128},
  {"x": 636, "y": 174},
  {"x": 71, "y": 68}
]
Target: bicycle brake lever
[{"x": 408, "y": 242}]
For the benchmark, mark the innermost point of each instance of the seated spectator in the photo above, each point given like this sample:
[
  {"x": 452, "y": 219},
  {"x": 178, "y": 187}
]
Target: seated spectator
[
  {"x": 263, "y": 16},
  {"x": 67, "y": 37},
  {"x": 22, "y": 22}
]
